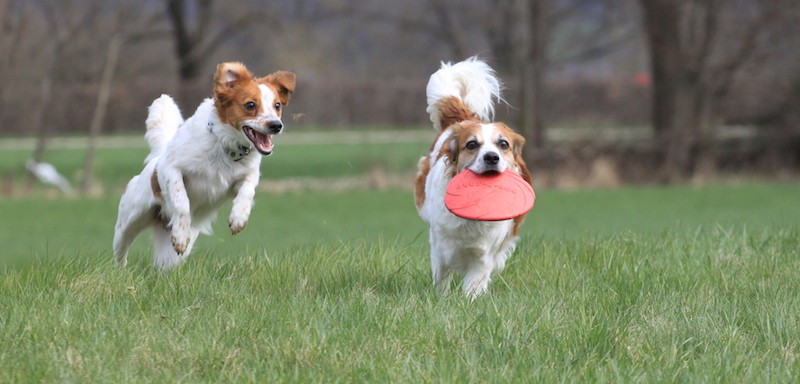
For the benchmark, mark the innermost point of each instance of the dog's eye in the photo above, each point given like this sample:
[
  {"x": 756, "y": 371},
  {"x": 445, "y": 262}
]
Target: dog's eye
[
  {"x": 249, "y": 105},
  {"x": 503, "y": 144},
  {"x": 472, "y": 144},
  {"x": 277, "y": 106}
]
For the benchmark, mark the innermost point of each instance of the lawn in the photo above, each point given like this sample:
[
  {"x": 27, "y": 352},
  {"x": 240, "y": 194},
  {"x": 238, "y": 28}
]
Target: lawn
[
  {"x": 638, "y": 284},
  {"x": 306, "y": 154}
]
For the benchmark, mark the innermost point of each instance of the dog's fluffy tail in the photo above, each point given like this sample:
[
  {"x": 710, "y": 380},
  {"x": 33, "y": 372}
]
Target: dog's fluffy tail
[
  {"x": 162, "y": 122},
  {"x": 470, "y": 83}
]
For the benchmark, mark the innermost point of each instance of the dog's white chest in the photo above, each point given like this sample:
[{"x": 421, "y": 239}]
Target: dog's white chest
[{"x": 209, "y": 189}]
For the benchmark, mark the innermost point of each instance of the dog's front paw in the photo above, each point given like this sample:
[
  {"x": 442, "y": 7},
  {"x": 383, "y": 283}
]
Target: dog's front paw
[
  {"x": 180, "y": 243},
  {"x": 180, "y": 237},
  {"x": 237, "y": 224}
]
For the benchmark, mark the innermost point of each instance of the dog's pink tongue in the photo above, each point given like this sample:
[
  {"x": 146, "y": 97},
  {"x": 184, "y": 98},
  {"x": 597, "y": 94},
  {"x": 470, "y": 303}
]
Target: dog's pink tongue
[{"x": 264, "y": 143}]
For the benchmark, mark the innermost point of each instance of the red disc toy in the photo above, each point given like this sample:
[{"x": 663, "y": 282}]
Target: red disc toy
[{"x": 492, "y": 197}]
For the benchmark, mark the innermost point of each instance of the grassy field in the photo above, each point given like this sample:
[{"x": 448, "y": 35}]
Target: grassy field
[
  {"x": 319, "y": 155},
  {"x": 645, "y": 284}
]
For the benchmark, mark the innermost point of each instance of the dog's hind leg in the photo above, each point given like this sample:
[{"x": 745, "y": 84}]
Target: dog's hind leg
[
  {"x": 441, "y": 275},
  {"x": 165, "y": 256},
  {"x": 441, "y": 280},
  {"x": 124, "y": 233},
  {"x": 439, "y": 272},
  {"x": 136, "y": 212}
]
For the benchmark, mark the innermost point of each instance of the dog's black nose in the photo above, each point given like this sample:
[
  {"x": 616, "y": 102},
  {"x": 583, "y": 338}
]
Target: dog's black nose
[
  {"x": 275, "y": 126},
  {"x": 491, "y": 158}
]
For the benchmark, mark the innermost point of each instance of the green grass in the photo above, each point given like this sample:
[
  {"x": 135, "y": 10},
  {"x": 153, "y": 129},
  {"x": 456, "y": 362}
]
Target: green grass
[
  {"x": 636, "y": 285},
  {"x": 645, "y": 284},
  {"x": 116, "y": 165}
]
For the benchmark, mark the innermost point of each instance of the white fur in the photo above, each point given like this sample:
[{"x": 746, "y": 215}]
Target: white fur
[
  {"x": 163, "y": 120},
  {"x": 474, "y": 249},
  {"x": 471, "y": 80},
  {"x": 196, "y": 174}
]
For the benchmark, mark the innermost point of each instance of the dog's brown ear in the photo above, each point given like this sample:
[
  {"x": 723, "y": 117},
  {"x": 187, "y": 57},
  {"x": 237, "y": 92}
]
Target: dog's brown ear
[
  {"x": 226, "y": 78},
  {"x": 518, "y": 143},
  {"x": 450, "y": 149},
  {"x": 229, "y": 74},
  {"x": 285, "y": 82}
]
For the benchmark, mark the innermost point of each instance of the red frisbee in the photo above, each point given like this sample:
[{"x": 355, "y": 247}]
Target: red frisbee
[{"x": 492, "y": 197}]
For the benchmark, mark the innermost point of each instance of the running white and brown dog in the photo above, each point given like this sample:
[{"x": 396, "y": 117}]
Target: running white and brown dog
[
  {"x": 461, "y": 105},
  {"x": 195, "y": 166}
]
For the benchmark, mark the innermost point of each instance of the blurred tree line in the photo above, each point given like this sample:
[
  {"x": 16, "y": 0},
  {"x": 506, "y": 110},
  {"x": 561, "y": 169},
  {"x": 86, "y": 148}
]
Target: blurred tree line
[{"x": 683, "y": 68}]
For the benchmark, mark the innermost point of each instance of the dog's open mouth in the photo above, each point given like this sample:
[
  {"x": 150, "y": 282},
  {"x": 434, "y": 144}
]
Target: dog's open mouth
[{"x": 262, "y": 141}]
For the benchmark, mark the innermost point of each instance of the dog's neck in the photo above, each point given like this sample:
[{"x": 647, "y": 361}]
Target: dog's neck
[{"x": 235, "y": 149}]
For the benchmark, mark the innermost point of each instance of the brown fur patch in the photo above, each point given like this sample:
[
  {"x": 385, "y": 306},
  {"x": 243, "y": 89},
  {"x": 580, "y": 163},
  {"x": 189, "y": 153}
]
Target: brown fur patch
[
  {"x": 527, "y": 176},
  {"x": 424, "y": 167},
  {"x": 453, "y": 110},
  {"x": 233, "y": 88},
  {"x": 154, "y": 185},
  {"x": 518, "y": 143},
  {"x": 456, "y": 147}
]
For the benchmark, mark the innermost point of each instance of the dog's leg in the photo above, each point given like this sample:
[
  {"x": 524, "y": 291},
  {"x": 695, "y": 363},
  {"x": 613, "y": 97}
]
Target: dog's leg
[
  {"x": 136, "y": 212},
  {"x": 164, "y": 254},
  {"x": 441, "y": 275},
  {"x": 177, "y": 204},
  {"x": 243, "y": 203},
  {"x": 477, "y": 278},
  {"x": 126, "y": 231},
  {"x": 441, "y": 280}
]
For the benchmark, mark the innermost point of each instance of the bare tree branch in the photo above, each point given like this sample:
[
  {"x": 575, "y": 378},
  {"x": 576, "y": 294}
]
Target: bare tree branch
[
  {"x": 195, "y": 45},
  {"x": 601, "y": 47},
  {"x": 101, "y": 106},
  {"x": 723, "y": 79},
  {"x": 447, "y": 28}
]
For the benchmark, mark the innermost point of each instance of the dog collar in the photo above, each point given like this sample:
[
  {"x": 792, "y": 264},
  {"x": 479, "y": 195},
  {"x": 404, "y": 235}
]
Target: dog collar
[{"x": 237, "y": 153}]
